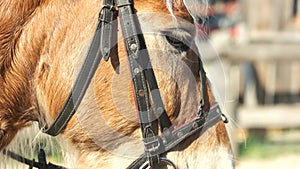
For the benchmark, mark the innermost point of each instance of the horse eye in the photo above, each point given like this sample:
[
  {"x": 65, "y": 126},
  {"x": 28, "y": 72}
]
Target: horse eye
[
  {"x": 178, "y": 39},
  {"x": 175, "y": 42}
]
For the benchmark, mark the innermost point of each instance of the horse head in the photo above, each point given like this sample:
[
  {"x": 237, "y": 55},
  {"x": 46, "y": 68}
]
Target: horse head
[{"x": 42, "y": 48}]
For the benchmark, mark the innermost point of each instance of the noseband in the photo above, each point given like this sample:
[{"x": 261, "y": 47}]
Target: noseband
[{"x": 159, "y": 135}]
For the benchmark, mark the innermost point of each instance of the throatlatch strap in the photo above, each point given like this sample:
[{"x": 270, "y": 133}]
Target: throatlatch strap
[{"x": 80, "y": 86}]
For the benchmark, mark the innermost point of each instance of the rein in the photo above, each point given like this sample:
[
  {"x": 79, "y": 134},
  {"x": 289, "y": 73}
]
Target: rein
[
  {"x": 41, "y": 164},
  {"x": 152, "y": 116}
]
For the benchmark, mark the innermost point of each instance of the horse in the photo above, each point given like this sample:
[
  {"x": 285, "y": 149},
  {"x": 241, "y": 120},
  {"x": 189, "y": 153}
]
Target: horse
[{"x": 43, "y": 44}]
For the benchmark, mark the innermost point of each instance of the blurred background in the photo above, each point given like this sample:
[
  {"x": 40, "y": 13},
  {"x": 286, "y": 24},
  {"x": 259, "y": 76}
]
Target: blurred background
[{"x": 258, "y": 45}]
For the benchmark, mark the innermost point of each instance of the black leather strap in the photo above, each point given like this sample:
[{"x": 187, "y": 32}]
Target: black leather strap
[
  {"x": 109, "y": 27},
  {"x": 138, "y": 59},
  {"x": 80, "y": 86},
  {"x": 204, "y": 100},
  {"x": 41, "y": 164},
  {"x": 171, "y": 138},
  {"x": 207, "y": 119},
  {"x": 161, "y": 114},
  {"x": 138, "y": 162}
]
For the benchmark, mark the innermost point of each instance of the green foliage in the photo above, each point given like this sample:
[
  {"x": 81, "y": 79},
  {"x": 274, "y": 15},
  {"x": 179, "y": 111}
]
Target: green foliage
[{"x": 262, "y": 147}]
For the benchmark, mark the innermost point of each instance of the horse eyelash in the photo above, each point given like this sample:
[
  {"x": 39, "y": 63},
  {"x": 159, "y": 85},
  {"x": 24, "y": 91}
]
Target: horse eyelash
[{"x": 178, "y": 38}]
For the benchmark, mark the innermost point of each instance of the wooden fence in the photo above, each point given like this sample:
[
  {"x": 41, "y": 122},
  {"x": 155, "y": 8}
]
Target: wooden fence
[{"x": 270, "y": 89}]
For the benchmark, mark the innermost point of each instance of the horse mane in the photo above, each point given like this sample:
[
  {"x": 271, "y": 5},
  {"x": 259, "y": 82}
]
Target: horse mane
[{"x": 13, "y": 16}]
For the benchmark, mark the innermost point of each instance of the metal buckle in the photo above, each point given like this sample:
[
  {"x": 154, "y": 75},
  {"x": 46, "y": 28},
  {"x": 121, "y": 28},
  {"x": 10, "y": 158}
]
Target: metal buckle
[
  {"x": 101, "y": 17},
  {"x": 162, "y": 160},
  {"x": 109, "y": 7},
  {"x": 151, "y": 144}
]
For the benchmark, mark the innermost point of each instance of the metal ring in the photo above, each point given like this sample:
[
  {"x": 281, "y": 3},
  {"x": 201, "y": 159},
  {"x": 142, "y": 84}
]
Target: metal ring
[
  {"x": 224, "y": 118},
  {"x": 162, "y": 159}
]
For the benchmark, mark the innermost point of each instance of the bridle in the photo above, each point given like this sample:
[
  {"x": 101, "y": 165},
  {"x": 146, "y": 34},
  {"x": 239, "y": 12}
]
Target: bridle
[{"x": 152, "y": 116}]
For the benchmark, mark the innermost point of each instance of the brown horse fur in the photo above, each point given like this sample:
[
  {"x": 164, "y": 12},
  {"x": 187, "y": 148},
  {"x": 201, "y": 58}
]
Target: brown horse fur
[{"x": 42, "y": 45}]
